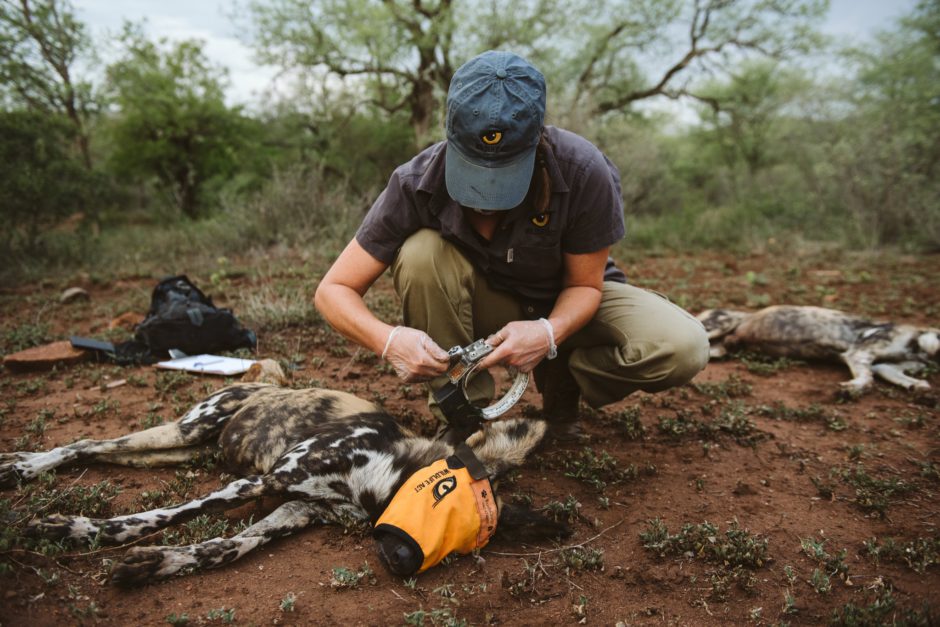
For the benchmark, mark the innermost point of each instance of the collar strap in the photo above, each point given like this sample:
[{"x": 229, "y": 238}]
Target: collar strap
[{"x": 469, "y": 459}]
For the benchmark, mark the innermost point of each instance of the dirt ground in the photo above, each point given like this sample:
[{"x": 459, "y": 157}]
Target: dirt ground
[{"x": 824, "y": 508}]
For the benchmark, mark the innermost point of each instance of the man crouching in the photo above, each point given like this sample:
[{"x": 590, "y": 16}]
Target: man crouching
[{"x": 504, "y": 231}]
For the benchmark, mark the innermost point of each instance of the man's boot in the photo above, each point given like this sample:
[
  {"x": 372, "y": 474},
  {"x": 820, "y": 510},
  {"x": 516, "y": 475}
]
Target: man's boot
[{"x": 561, "y": 398}]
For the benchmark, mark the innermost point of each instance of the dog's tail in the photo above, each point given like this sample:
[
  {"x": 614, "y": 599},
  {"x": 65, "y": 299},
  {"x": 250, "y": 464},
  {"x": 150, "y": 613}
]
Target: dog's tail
[{"x": 721, "y": 322}]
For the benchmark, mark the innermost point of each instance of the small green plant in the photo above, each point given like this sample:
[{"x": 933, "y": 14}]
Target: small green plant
[
  {"x": 30, "y": 387},
  {"x": 168, "y": 381},
  {"x": 569, "y": 510},
  {"x": 765, "y": 365},
  {"x": 820, "y": 581},
  {"x": 177, "y": 619},
  {"x": 440, "y": 616},
  {"x": 22, "y": 337},
  {"x": 732, "y": 387},
  {"x": 832, "y": 564},
  {"x": 873, "y": 494},
  {"x": 736, "y": 547},
  {"x": 597, "y": 470},
  {"x": 676, "y": 428},
  {"x": 345, "y": 578},
  {"x": 928, "y": 470},
  {"x": 199, "y": 529},
  {"x": 579, "y": 558},
  {"x": 579, "y": 609},
  {"x": 226, "y": 615},
  {"x": 919, "y": 554},
  {"x": 37, "y": 427},
  {"x": 173, "y": 492},
  {"x": 880, "y": 610},
  {"x": 337, "y": 350},
  {"x": 151, "y": 420},
  {"x": 287, "y": 603},
  {"x": 811, "y": 413},
  {"x": 627, "y": 423},
  {"x": 825, "y": 489},
  {"x": 446, "y": 591},
  {"x": 136, "y": 381}
]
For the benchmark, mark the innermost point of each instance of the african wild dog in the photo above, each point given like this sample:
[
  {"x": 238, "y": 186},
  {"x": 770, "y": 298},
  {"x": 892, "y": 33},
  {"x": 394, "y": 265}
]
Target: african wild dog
[
  {"x": 331, "y": 455},
  {"x": 881, "y": 348}
]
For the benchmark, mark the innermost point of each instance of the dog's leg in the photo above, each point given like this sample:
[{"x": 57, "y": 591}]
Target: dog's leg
[
  {"x": 860, "y": 363},
  {"x": 895, "y": 373},
  {"x": 202, "y": 422},
  {"x": 133, "y": 526},
  {"x": 143, "y": 564},
  {"x": 154, "y": 459}
]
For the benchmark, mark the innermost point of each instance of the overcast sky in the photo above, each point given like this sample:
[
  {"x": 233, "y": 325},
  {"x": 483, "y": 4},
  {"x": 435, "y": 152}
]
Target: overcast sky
[{"x": 210, "y": 21}]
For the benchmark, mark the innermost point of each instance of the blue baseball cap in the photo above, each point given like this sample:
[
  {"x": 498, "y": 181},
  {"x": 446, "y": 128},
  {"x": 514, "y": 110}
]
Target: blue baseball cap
[{"x": 495, "y": 114}]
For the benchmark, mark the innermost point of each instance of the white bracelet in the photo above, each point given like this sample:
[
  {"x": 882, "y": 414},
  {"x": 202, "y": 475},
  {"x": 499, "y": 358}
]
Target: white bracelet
[
  {"x": 552, "y": 349},
  {"x": 388, "y": 342}
]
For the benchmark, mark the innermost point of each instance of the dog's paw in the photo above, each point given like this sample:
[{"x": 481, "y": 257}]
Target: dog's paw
[
  {"x": 139, "y": 566},
  {"x": 10, "y": 475},
  {"x": 15, "y": 456},
  {"x": 20, "y": 466},
  {"x": 57, "y": 527},
  {"x": 848, "y": 393}
]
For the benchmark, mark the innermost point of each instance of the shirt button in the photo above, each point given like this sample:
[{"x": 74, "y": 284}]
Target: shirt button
[{"x": 530, "y": 309}]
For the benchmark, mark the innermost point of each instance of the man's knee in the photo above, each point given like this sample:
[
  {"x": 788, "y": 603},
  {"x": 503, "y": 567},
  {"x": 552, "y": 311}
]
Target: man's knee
[
  {"x": 424, "y": 256},
  {"x": 687, "y": 354}
]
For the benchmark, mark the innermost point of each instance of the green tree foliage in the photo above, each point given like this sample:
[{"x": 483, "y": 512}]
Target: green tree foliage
[
  {"x": 400, "y": 50},
  {"x": 327, "y": 130},
  {"x": 745, "y": 112},
  {"x": 41, "y": 182},
  {"x": 712, "y": 35},
  {"x": 40, "y": 42},
  {"x": 885, "y": 165},
  {"x": 173, "y": 124},
  {"x": 405, "y": 52}
]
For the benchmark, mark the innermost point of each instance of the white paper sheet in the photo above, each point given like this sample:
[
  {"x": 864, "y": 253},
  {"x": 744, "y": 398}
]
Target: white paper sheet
[{"x": 208, "y": 364}]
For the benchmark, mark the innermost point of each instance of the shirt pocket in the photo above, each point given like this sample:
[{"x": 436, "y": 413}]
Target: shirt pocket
[{"x": 537, "y": 263}]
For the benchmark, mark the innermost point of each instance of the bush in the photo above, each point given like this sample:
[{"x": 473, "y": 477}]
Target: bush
[{"x": 42, "y": 183}]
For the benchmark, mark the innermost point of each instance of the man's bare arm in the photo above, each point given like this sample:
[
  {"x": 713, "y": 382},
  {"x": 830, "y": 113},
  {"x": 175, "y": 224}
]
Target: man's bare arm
[{"x": 339, "y": 298}]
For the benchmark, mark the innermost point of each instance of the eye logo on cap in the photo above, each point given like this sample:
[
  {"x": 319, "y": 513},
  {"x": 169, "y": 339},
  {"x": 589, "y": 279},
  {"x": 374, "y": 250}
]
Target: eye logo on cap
[{"x": 491, "y": 138}]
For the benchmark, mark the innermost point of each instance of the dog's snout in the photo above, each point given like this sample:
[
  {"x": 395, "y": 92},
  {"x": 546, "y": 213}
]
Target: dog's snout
[{"x": 400, "y": 558}]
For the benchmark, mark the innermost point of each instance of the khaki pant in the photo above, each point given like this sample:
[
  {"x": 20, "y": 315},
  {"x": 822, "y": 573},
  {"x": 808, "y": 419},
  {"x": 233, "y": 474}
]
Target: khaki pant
[{"x": 637, "y": 340}]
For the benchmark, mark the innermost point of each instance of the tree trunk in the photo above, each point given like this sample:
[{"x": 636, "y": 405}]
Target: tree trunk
[{"x": 422, "y": 111}]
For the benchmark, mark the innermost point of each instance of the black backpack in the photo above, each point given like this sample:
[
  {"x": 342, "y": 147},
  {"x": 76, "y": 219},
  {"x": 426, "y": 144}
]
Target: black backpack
[{"x": 182, "y": 317}]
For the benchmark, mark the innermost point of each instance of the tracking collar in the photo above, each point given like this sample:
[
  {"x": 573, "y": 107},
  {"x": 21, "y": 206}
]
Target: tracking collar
[{"x": 445, "y": 507}]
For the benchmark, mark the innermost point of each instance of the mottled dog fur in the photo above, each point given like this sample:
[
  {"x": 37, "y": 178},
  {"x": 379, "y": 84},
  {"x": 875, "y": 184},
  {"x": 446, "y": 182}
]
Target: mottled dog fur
[
  {"x": 330, "y": 455},
  {"x": 868, "y": 348}
]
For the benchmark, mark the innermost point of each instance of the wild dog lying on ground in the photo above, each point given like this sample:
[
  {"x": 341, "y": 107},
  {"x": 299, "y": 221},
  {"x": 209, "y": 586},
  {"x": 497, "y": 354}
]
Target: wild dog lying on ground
[
  {"x": 332, "y": 455},
  {"x": 882, "y": 348}
]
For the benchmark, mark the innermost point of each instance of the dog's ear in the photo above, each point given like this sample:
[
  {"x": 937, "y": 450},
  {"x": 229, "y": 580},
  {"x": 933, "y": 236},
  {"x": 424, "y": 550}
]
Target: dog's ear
[
  {"x": 266, "y": 371},
  {"x": 520, "y": 523},
  {"x": 504, "y": 444}
]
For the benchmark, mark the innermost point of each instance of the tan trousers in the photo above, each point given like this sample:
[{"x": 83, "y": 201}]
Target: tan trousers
[{"x": 637, "y": 340}]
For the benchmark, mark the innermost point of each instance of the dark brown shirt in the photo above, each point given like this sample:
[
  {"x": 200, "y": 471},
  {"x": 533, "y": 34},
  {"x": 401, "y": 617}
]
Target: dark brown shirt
[{"x": 525, "y": 254}]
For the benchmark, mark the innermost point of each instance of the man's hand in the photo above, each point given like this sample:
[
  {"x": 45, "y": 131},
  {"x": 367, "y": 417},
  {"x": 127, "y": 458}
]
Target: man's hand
[
  {"x": 414, "y": 355},
  {"x": 521, "y": 344}
]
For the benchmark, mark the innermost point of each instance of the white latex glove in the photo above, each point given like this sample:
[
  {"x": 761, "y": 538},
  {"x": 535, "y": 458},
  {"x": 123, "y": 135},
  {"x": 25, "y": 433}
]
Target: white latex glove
[
  {"x": 521, "y": 344},
  {"x": 414, "y": 355}
]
